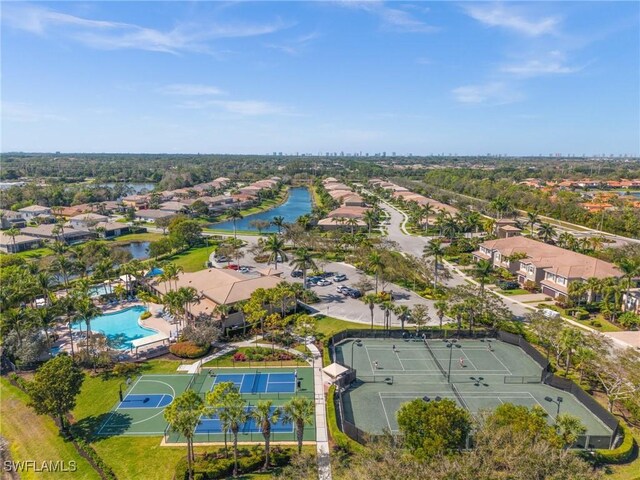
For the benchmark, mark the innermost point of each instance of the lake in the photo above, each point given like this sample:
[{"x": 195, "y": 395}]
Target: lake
[
  {"x": 134, "y": 187},
  {"x": 138, "y": 250},
  {"x": 298, "y": 203}
]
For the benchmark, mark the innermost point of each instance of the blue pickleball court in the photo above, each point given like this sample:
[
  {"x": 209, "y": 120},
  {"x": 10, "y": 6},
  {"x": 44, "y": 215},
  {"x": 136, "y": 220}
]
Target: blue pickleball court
[
  {"x": 251, "y": 383},
  {"x": 212, "y": 424}
]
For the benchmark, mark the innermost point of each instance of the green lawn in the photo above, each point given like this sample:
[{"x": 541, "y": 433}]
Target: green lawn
[
  {"x": 35, "y": 253},
  {"x": 193, "y": 259},
  {"x": 138, "y": 237},
  {"x": 36, "y": 437},
  {"x": 329, "y": 326},
  {"x": 515, "y": 291}
]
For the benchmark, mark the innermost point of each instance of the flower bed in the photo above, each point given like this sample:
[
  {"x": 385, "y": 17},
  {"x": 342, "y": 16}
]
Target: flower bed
[
  {"x": 189, "y": 350},
  {"x": 260, "y": 354}
]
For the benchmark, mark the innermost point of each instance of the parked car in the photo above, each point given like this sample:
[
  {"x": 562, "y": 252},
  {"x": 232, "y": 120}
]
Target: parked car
[
  {"x": 220, "y": 259},
  {"x": 243, "y": 269},
  {"x": 323, "y": 282},
  {"x": 342, "y": 289},
  {"x": 232, "y": 266},
  {"x": 341, "y": 277},
  {"x": 353, "y": 293},
  {"x": 297, "y": 274}
]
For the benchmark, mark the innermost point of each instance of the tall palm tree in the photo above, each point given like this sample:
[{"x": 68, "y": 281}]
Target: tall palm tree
[
  {"x": 13, "y": 232},
  {"x": 235, "y": 414},
  {"x": 630, "y": 267},
  {"x": 171, "y": 272},
  {"x": 188, "y": 296},
  {"x": 234, "y": 215},
  {"x": 275, "y": 247},
  {"x": 546, "y": 232},
  {"x": 86, "y": 311},
  {"x": 353, "y": 223},
  {"x": 370, "y": 219},
  {"x": 532, "y": 219},
  {"x": 370, "y": 300},
  {"x": 434, "y": 249},
  {"x": 427, "y": 211},
  {"x": 183, "y": 416},
  {"x": 403, "y": 313},
  {"x": 593, "y": 286},
  {"x": 302, "y": 260},
  {"x": 570, "y": 340},
  {"x": 441, "y": 310},
  {"x": 566, "y": 240},
  {"x": 482, "y": 271},
  {"x": 265, "y": 416},
  {"x": 376, "y": 263},
  {"x": 299, "y": 411},
  {"x": 278, "y": 222}
]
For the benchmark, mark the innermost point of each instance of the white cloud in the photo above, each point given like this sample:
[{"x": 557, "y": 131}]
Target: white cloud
[
  {"x": 25, "y": 113},
  {"x": 252, "y": 107},
  {"x": 295, "y": 46},
  {"x": 108, "y": 35},
  {"x": 189, "y": 89},
  {"x": 392, "y": 18},
  {"x": 552, "y": 64},
  {"x": 492, "y": 93},
  {"x": 498, "y": 15}
]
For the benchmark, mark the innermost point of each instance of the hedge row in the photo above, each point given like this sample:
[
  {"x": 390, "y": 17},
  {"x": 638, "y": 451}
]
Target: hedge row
[
  {"x": 90, "y": 454},
  {"x": 623, "y": 453},
  {"x": 213, "y": 466},
  {"x": 340, "y": 438},
  {"x": 189, "y": 350}
]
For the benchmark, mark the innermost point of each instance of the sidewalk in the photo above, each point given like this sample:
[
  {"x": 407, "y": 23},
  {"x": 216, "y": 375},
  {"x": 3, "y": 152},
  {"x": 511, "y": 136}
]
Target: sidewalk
[{"x": 322, "y": 435}]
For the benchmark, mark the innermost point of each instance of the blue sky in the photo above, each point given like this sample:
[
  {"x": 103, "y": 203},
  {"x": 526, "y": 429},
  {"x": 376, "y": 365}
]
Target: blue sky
[{"x": 237, "y": 77}]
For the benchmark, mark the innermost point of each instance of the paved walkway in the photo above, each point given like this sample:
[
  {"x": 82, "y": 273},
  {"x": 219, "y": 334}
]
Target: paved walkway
[{"x": 322, "y": 435}]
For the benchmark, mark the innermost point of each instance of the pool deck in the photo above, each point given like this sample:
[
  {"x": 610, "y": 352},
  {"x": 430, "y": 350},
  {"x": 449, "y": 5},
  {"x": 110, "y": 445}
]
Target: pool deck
[{"x": 158, "y": 324}]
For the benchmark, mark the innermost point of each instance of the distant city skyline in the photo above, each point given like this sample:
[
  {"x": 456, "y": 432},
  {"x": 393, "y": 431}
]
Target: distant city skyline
[{"x": 426, "y": 78}]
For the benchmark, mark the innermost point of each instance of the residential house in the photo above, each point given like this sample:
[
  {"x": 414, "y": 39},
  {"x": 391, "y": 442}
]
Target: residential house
[
  {"x": 173, "y": 207},
  {"x": 54, "y": 232},
  {"x": 19, "y": 243},
  {"x": 10, "y": 219},
  {"x": 32, "y": 211},
  {"x": 87, "y": 220},
  {"x": 111, "y": 229},
  {"x": 151, "y": 215},
  {"x": 139, "y": 202},
  {"x": 549, "y": 267}
]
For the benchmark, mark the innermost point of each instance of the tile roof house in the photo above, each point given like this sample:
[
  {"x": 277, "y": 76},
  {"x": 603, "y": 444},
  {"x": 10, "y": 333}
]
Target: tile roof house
[
  {"x": 86, "y": 220},
  {"x": 550, "y": 267},
  {"x": 32, "y": 211},
  {"x": 66, "y": 234},
  {"x": 19, "y": 243}
]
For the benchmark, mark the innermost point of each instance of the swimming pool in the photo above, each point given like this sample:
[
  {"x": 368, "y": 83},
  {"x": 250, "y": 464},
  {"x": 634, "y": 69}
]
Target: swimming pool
[
  {"x": 154, "y": 272},
  {"x": 120, "y": 327}
]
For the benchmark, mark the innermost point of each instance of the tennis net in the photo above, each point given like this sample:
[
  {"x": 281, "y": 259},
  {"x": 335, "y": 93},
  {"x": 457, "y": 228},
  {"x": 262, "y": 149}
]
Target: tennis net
[
  {"x": 435, "y": 360},
  {"x": 376, "y": 379},
  {"x": 458, "y": 396},
  {"x": 256, "y": 378}
]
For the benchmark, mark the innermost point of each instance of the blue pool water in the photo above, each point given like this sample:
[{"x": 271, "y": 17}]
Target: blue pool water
[
  {"x": 298, "y": 203},
  {"x": 154, "y": 272},
  {"x": 121, "y": 327}
]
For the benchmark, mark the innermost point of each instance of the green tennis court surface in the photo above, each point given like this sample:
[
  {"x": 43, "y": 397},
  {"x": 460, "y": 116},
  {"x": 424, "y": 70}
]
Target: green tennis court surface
[
  {"x": 140, "y": 411},
  {"x": 483, "y": 374}
]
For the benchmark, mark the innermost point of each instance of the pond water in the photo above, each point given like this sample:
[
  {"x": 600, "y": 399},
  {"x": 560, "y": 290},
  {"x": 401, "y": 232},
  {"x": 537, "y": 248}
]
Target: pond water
[
  {"x": 138, "y": 250},
  {"x": 298, "y": 203},
  {"x": 134, "y": 187}
]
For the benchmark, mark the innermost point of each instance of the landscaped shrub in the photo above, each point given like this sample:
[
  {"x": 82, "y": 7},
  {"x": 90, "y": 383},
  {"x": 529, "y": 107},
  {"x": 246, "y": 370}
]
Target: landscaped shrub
[
  {"x": 578, "y": 313},
  {"x": 621, "y": 454},
  {"x": 260, "y": 354},
  {"x": 629, "y": 320},
  {"x": 239, "y": 357},
  {"x": 213, "y": 466},
  {"x": 340, "y": 438},
  {"x": 189, "y": 350},
  {"x": 145, "y": 315},
  {"x": 126, "y": 369}
]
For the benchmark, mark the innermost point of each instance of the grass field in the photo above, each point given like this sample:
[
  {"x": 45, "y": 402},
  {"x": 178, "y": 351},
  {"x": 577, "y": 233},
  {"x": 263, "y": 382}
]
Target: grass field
[
  {"x": 36, "y": 253},
  {"x": 329, "y": 326},
  {"x": 192, "y": 260},
  {"x": 137, "y": 237},
  {"x": 36, "y": 437}
]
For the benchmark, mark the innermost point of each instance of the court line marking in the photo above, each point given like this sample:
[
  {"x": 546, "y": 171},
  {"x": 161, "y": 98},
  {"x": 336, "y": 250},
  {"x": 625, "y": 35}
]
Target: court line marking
[
  {"x": 162, "y": 408},
  {"x": 370, "y": 362},
  {"x": 467, "y": 357},
  {"x": 115, "y": 409},
  {"x": 496, "y": 357},
  {"x": 385, "y": 413}
]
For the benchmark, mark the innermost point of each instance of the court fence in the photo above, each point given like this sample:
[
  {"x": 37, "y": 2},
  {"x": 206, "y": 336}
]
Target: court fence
[{"x": 547, "y": 377}]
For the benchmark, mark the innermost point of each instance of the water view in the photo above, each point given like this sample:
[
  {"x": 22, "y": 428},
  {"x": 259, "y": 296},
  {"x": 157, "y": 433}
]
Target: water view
[
  {"x": 138, "y": 250},
  {"x": 298, "y": 203},
  {"x": 134, "y": 188}
]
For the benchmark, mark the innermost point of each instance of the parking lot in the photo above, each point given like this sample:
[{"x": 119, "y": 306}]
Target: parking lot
[{"x": 337, "y": 305}]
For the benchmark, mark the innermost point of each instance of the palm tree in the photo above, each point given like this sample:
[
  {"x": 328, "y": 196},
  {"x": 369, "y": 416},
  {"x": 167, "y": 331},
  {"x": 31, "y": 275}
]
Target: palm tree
[
  {"x": 441, "y": 310},
  {"x": 265, "y": 416},
  {"x": 234, "y": 413},
  {"x": 298, "y": 411},
  {"x": 278, "y": 222},
  {"x": 570, "y": 339},
  {"x": 569, "y": 428},
  {"x": 376, "y": 263},
  {"x": 370, "y": 300},
  {"x": 482, "y": 271},
  {"x": 427, "y": 211},
  {"x": 183, "y": 416},
  {"x": 302, "y": 260},
  {"x": 532, "y": 219},
  {"x": 593, "y": 286},
  {"x": 234, "y": 215},
  {"x": 171, "y": 271},
  {"x": 275, "y": 247},
  {"x": 434, "y": 249},
  {"x": 189, "y": 296},
  {"x": 403, "y": 313},
  {"x": 546, "y": 232},
  {"x": 630, "y": 267},
  {"x": 353, "y": 223},
  {"x": 13, "y": 232},
  {"x": 566, "y": 240},
  {"x": 501, "y": 205},
  {"x": 370, "y": 219},
  {"x": 86, "y": 311}
]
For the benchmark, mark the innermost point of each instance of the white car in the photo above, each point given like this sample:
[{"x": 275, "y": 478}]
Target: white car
[
  {"x": 323, "y": 283},
  {"x": 547, "y": 312}
]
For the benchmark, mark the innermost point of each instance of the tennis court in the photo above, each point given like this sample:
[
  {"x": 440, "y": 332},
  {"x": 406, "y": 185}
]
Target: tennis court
[
  {"x": 252, "y": 383},
  {"x": 140, "y": 411},
  {"x": 478, "y": 374}
]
